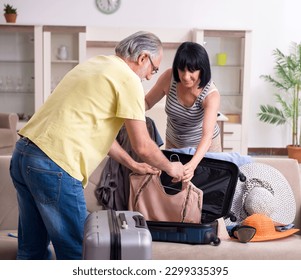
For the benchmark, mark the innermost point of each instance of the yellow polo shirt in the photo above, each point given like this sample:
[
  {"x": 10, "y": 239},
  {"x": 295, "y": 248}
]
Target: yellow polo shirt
[{"x": 77, "y": 124}]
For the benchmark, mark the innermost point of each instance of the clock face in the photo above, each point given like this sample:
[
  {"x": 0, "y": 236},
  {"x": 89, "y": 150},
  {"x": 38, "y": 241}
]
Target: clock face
[{"x": 108, "y": 6}]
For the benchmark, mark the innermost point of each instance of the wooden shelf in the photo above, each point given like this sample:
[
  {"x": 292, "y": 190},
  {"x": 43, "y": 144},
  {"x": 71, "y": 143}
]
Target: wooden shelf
[
  {"x": 16, "y": 28},
  {"x": 65, "y": 61},
  {"x": 64, "y": 29},
  {"x": 112, "y": 44}
]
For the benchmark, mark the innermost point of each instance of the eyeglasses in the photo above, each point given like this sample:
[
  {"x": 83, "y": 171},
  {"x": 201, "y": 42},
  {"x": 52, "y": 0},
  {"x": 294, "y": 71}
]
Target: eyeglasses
[{"x": 155, "y": 69}]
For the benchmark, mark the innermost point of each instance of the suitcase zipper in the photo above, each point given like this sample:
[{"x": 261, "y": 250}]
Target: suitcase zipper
[{"x": 115, "y": 238}]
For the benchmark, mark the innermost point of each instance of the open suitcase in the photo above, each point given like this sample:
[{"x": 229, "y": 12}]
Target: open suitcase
[
  {"x": 116, "y": 235},
  {"x": 217, "y": 179}
]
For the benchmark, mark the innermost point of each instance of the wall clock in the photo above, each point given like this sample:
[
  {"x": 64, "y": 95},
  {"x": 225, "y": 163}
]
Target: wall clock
[{"x": 108, "y": 6}]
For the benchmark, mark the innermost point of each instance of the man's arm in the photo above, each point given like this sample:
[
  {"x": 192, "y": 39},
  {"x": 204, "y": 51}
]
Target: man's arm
[
  {"x": 148, "y": 151},
  {"x": 121, "y": 156}
]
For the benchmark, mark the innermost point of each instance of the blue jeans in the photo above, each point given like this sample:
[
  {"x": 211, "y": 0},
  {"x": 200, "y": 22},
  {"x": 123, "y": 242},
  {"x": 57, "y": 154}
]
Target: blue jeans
[{"x": 52, "y": 205}]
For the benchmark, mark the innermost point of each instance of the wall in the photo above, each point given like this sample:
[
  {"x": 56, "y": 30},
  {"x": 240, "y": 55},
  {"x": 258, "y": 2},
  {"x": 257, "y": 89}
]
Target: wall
[{"x": 273, "y": 25}]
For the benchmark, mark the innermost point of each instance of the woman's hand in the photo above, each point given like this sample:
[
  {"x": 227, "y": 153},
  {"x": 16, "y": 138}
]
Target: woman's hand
[{"x": 188, "y": 172}]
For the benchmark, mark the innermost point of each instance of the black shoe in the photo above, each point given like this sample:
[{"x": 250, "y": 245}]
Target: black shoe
[{"x": 243, "y": 233}]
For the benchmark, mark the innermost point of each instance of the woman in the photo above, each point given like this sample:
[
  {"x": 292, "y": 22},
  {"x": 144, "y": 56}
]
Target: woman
[{"x": 192, "y": 104}]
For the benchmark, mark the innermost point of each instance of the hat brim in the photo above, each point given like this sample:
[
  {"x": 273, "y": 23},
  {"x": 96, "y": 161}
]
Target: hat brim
[
  {"x": 283, "y": 195},
  {"x": 274, "y": 235}
]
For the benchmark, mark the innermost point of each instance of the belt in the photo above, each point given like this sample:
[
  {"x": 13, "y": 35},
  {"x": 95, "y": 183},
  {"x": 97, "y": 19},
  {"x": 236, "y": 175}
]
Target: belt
[{"x": 27, "y": 140}]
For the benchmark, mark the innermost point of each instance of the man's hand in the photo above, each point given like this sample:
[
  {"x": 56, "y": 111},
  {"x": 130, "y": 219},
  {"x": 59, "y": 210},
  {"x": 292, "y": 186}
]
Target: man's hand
[
  {"x": 177, "y": 171},
  {"x": 144, "y": 168}
]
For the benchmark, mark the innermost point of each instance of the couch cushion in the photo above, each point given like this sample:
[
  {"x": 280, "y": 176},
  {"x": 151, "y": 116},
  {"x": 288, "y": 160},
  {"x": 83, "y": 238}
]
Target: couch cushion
[
  {"x": 7, "y": 139},
  {"x": 8, "y": 205},
  {"x": 92, "y": 203},
  {"x": 8, "y": 245},
  {"x": 287, "y": 248},
  {"x": 282, "y": 249}
]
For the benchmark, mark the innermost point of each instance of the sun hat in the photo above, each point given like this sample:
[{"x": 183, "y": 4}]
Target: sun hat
[
  {"x": 265, "y": 191},
  {"x": 265, "y": 228}
]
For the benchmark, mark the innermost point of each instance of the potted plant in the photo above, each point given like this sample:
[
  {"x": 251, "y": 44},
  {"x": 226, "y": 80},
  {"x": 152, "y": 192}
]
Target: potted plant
[
  {"x": 287, "y": 81},
  {"x": 10, "y": 13}
]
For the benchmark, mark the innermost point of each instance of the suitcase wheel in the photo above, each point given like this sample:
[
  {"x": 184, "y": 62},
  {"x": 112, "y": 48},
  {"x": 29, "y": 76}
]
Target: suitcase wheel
[
  {"x": 212, "y": 239},
  {"x": 231, "y": 216},
  {"x": 233, "y": 219},
  {"x": 242, "y": 177},
  {"x": 216, "y": 242}
]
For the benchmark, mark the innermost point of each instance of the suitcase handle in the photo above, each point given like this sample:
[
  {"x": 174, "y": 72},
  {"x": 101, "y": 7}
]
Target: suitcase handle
[
  {"x": 124, "y": 223},
  {"x": 174, "y": 157},
  {"x": 139, "y": 221}
]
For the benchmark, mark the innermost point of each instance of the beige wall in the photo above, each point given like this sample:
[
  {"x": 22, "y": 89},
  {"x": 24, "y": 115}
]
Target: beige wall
[{"x": 273, "y": 25}]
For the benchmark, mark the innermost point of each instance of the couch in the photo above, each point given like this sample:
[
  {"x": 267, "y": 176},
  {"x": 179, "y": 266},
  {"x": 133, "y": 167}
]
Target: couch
[
  {"x": 8, "y": 132},
  {"x": 285, "y": 248}
]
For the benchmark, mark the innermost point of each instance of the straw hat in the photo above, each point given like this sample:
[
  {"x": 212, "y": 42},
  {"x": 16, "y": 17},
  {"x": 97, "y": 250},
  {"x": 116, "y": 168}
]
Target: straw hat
[
  {"x": 265, "y": 228},
  {"x": 266, "y": 191}
]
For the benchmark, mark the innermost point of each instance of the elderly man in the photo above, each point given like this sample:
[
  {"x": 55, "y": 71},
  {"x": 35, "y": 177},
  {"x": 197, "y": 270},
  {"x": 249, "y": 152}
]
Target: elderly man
[{"x": 71, "y": 134}]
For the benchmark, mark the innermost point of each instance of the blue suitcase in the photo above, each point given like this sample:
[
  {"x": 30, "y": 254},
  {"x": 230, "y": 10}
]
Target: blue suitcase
[{"x": 189, "y": 233}]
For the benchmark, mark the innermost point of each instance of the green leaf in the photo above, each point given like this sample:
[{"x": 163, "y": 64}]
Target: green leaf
[{"x": 271, "y": 114}]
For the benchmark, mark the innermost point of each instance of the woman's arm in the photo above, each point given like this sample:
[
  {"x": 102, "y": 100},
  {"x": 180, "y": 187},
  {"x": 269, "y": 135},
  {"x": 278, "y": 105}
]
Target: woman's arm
[
  {"x": 211, "y": 106},
  {"x": 159, "y": 90}
]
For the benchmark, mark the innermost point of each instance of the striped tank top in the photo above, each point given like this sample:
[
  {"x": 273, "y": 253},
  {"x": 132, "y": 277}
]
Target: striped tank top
[{"x": 185, "y": 124}]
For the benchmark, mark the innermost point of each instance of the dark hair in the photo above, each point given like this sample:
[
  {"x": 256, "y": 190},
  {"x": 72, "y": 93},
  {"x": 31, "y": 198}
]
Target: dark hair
[{"x": 194, "y": 57}]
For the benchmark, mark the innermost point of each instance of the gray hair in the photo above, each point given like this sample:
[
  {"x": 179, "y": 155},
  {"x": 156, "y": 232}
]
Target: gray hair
[{"x": 140, "y": 42}]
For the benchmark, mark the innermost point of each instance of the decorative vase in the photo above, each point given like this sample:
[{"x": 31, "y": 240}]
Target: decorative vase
[
  {"x": 294, "y": 152},
  {"x": 10, "y": 18},
  {"x": 62, "y": 53},
  {"x": 221, "y": 59}
]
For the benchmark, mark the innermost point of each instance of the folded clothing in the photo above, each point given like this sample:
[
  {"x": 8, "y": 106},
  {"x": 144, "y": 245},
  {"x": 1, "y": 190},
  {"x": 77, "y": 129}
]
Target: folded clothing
[{"x": 234, "y": 157}]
